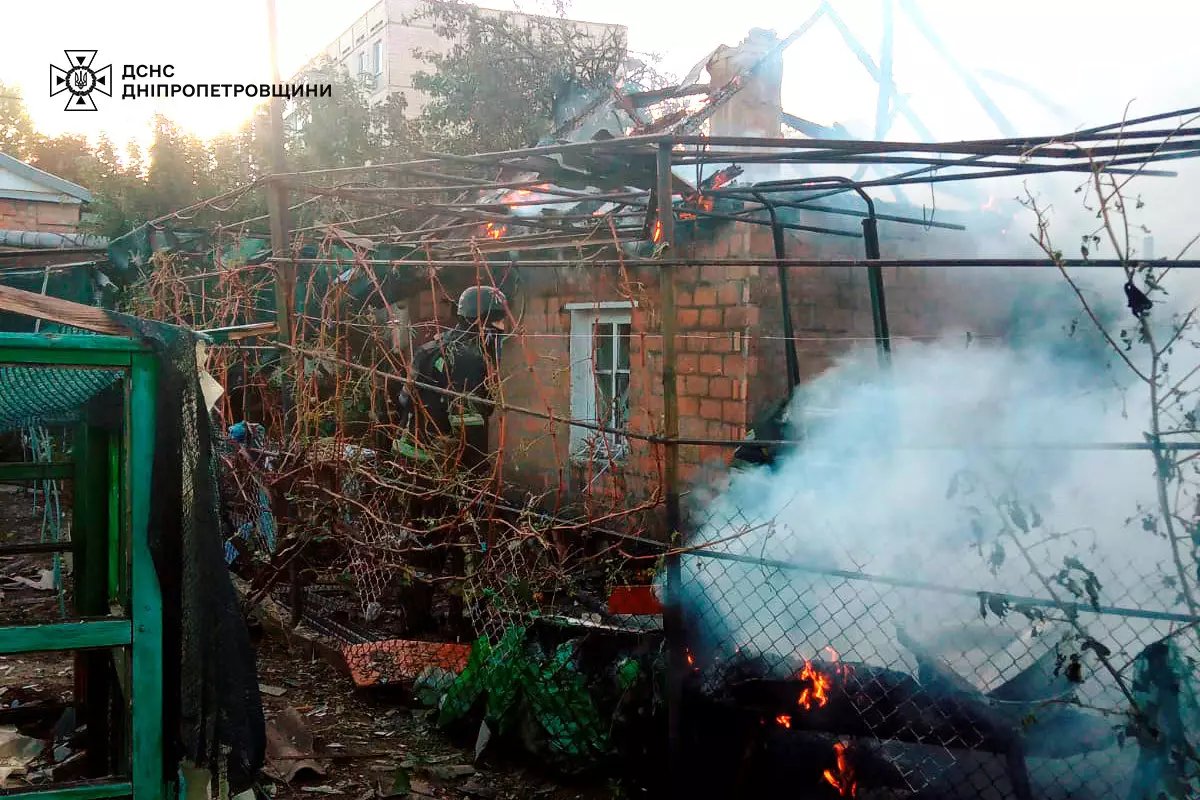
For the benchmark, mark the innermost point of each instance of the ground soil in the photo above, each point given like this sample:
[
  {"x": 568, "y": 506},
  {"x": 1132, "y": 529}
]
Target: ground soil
[
  {"x": 368, "y": 744},
  {"x": 365, "y": 737}
]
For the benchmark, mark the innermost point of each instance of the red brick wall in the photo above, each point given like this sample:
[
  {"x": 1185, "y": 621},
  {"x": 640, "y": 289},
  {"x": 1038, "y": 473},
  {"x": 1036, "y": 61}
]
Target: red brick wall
[
  {"x": 34, "y": 215},
  {"x": 831, "y": 307},
  {"x": 537, "y": 377},
  {"x": 730, "y": 350}
]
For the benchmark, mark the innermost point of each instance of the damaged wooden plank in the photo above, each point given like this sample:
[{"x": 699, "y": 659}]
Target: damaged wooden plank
[
  {"x": 74, "y": 635},
  {"x": 236, "y": 333},
  {"x": 55, "y": 309},
  {"x": 36, "y": 471}
]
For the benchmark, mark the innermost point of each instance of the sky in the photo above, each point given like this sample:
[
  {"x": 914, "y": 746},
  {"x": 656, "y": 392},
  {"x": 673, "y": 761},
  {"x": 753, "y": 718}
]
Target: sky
[
  {"x": 1091, "y": 57},
  {"x": 1083, "y": 62}
]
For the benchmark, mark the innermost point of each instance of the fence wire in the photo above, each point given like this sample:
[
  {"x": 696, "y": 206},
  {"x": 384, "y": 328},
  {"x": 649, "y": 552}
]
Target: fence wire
[
  {"x": 856, "y": 681},
  {"x": 813, "y": 663}
]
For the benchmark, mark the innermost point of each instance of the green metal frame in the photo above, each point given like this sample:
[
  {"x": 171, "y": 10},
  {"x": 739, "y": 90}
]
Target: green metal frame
[{"x": 110, "y": 542}]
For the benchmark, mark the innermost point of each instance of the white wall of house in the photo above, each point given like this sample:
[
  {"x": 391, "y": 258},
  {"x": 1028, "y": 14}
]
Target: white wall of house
[{"x": 18, "y": 186}]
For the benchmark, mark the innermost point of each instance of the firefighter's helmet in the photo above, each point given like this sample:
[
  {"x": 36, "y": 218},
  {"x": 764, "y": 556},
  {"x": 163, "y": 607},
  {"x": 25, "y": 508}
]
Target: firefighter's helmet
[{"x": 485, "y": 303}]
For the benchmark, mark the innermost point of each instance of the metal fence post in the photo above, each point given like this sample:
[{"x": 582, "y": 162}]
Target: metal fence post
[{"x": 672, "y": 608}]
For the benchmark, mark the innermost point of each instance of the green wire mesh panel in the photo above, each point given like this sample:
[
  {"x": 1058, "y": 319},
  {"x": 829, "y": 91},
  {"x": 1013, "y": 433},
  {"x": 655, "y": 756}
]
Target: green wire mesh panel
[{"x": 48, "y": 395}]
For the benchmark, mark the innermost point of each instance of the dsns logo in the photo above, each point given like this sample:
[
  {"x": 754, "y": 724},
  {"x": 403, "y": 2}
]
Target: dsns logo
[{"x": 80, "y": 79}]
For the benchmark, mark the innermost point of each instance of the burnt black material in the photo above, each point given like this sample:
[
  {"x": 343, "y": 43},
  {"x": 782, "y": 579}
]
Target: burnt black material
[{"x": 213, "y": 714}]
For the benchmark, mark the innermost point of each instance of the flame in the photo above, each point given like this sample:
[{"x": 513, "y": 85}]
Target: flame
[
  {"x": 720, "y": 179},
  {"x": 656, "y": 237},
  {"x": 691, "y": 659},
  {"x": 816, "y": 694},
  {"x": 495, "y": 230},
  {"x": 784, "y": 721},
  {"x": 515, "y": 195},
  {"x": 843, "y": 778}
]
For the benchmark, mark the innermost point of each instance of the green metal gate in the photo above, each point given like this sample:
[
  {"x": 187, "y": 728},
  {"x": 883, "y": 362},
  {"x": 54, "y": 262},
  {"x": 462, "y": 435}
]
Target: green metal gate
[{"x": 115, "y": 626}]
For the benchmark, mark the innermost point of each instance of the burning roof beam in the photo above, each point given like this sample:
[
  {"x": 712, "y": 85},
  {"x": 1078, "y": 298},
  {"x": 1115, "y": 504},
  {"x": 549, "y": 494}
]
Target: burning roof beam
[
  {"x": 731, "y": 87},
  {"x": 813, "y": 129},
  {"x": 641, "y": 99}
]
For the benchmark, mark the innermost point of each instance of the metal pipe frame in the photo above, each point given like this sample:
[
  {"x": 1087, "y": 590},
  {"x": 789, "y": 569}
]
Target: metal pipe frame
[{"x": 830, "y": 263}]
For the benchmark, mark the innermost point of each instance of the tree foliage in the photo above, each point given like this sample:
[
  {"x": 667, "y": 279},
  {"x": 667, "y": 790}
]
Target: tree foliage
[
  {"x": 495, "y": 88},
  {"x": 498, "y": 85},
  {"x": 16, "y": 128}
]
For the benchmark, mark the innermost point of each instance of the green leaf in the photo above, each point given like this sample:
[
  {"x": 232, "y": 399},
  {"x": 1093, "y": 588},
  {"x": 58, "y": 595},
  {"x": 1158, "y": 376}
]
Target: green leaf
[{"x": 628, "y": 673}]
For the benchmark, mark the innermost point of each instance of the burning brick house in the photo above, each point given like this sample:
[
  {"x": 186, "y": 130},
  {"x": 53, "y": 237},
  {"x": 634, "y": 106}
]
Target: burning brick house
[{"x": 589, "y": 346}]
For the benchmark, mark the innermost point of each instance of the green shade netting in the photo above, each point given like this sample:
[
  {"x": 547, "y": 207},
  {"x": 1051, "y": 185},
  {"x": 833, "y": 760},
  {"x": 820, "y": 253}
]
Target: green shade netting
[{"x": 35, "y": 395}]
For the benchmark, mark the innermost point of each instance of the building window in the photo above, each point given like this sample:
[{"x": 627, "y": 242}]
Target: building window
[
  {"x": 377, "y": 56},
  {"x": 600, "y": 377},
  {"x": 363, "y": 63}
]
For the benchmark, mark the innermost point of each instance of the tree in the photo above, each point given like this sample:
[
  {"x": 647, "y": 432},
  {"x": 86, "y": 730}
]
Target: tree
[
  {"x": 335, "y": 131},
  {"x": 69, "y": 156},
  {"x": 1158, "y": 331},
  {"x": 498, "y": 85},
  {"x": 180, "y": 171},
  {"x": 16, "y": 128}
]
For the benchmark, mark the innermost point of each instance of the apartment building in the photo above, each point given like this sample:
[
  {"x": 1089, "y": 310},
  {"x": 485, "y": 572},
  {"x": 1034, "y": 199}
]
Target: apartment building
[{"x": 378, "y": 47}]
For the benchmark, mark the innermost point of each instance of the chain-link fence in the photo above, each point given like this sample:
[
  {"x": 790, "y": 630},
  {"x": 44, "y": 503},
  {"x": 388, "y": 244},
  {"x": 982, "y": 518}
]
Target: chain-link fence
[
  {"x": 937, "y": 672},
  {"x": 845, "y": 628}
]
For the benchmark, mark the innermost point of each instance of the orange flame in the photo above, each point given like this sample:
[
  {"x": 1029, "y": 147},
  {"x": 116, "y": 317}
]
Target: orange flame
[
  {"x": 522, "y": 194},
  {"x": 843, "y": 778},
  {"x": 816, "y": 694},
  {"x": 656, "y": 237},
  {"x": 841, "y": 670},
  {"x": 784, "y": 721},
  {"x": 495, "y": 230},
  {"x": 691, "y": 659}
]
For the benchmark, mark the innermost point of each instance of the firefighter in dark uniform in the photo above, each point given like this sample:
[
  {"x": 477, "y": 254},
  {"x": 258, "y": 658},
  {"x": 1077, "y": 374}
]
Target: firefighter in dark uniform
[
  {"x": 444, "y": 428},
  {"x": 444, "y": 437}
]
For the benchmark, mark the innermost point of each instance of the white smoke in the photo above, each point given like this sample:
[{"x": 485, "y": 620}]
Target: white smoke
[{"x": 909, "y": 474}]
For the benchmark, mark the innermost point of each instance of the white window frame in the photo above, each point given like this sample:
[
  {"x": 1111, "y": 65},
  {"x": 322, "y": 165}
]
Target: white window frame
[
  {"x": 377, "y": 56},
  {"x": 587, "y": 444}
]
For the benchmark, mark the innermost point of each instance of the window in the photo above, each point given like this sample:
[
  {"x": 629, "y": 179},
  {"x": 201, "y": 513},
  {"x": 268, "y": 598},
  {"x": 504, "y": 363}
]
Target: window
[
  {"x": 600, "y": 376},
  {"x": 377, "y": 57},
  {"x": 363, "y": 67}
]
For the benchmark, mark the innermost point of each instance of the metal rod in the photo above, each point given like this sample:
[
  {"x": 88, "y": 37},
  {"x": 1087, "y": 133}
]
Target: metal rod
[
  {"x": 1049, "y": 146},
  {"x": 906, "y": 583},
  {"x": 879, "y": 320},
  {"x": 789, "y": 331},
  {"x": 850, "y": 212},
  {"x": 654, "y": 438},
  {"x": 864, "y": 58},
  {"x": 829, "y": 263},
  {"x": 673, "y": 624},
  {"x": 740, "y": 157},
  {"x": 968, "y": 78}
]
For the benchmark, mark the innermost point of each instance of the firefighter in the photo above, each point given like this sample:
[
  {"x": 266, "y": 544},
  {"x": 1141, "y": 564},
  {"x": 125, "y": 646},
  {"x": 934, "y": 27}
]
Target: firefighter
[
  {"x": 446, "y": 435},
  {"x": 445, "y": 428}
]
